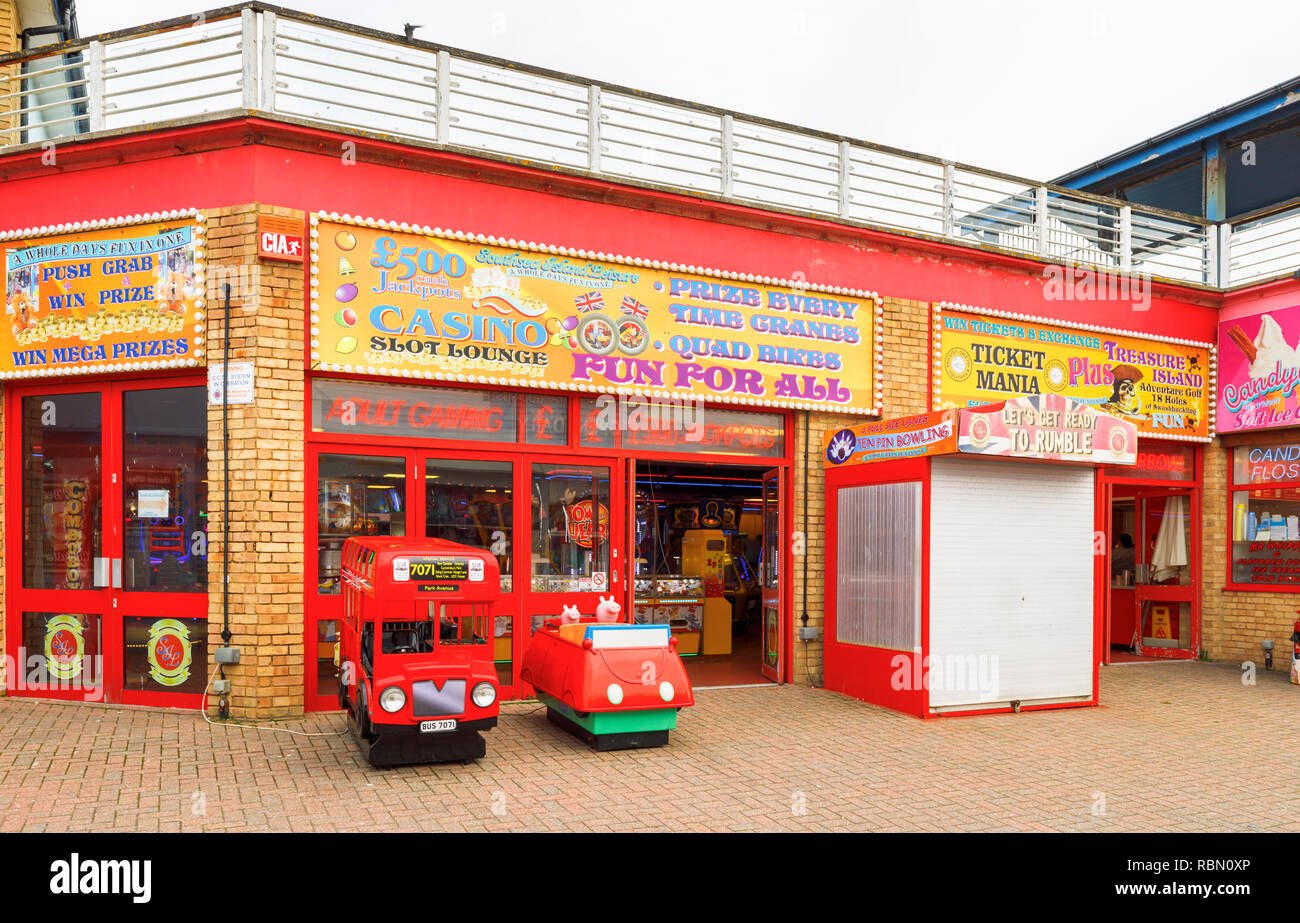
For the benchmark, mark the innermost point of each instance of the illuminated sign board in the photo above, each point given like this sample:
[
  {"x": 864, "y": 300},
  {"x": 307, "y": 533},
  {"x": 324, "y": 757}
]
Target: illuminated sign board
[{"x": 407, "y": 304}]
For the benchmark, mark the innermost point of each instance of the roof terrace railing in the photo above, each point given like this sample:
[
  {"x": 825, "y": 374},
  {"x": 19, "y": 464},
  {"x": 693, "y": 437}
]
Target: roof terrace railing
[{"x": 260, "y": 58}]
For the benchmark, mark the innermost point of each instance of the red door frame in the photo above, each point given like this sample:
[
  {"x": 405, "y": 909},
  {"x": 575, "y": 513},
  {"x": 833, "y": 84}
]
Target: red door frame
[
  {"x": 619, "y": 459},
  {"x": 628, "y": 598},
  {"x": 1101, "y": 575},
  {"x": 112, "y": 605},
  {"x": 320, "y": 607},
  {"x": 783, "y": 582},
  {"x": 1105, "y": 499},
  {"x": 550, "y": 604},
  {"x": 1190, "y": 594}
]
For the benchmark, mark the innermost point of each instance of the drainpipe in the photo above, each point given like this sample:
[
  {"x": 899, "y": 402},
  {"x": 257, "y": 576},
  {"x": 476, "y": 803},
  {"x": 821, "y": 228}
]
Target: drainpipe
[{"x": 225, "y": 478}]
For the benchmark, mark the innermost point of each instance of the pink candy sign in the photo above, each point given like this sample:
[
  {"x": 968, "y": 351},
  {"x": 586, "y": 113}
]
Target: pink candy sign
[{"x": 1259, "y": 368}]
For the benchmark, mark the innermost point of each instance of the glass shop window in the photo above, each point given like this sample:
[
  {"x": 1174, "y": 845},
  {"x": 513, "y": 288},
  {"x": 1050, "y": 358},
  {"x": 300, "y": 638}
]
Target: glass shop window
[
  {"x": 878, "y": 565},
  {"x": 570, "y": 508},
  {"x": 1161, "y": 463},
  {"x": 62, "y": 490},
  {"x": 597, "y": 423},
  {"x": 61, "y": 649},
  {"x": 165, "y": 654},
  {"x": 471, "y": 502},
  {"x": 546, "y": 420},
  {"x": 165, "y": 490},
  {"x": 355, "y": 495}
]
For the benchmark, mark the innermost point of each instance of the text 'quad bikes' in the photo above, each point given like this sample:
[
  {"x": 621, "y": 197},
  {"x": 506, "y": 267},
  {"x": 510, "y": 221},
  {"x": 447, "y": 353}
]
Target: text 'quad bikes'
[
  {"x": 416, "y": 675},
  {"x": 616, "y": 686}
]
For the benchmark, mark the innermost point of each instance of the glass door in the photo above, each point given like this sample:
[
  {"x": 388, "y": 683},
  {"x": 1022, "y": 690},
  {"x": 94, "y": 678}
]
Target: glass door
[
  {"x": 1120, "y": 629},
  {"x": 1165, "y": 591},
  {"x": 58, "y": 546},
  {"x": 161, "y": 569},
  {"x": 772, "y": 576},
  {"x": 473, "y": 502},
  {"x": 359, "y": 491},
  {"x": 575, "y": 521},
  {"x": 107, "y": 599}
]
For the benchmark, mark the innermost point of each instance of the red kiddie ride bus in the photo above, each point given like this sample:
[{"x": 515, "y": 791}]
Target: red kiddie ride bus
[{"x": 416, "y": 671}]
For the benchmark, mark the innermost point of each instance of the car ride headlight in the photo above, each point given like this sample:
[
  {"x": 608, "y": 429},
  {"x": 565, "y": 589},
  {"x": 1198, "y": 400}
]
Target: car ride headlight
[
  {"x": 392, "y": 699},
  {"x": 484, "y": 694},
  {"x": 615, "y": 694},
  {"x": 666, "y": 691}
]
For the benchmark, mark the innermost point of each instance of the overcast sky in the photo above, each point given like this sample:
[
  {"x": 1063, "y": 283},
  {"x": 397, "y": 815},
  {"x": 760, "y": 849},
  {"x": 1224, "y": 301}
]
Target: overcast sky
[{"x": 1034, "y": 89}]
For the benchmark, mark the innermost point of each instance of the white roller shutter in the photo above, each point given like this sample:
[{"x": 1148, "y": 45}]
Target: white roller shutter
[{"x": 1011, "y": 572}]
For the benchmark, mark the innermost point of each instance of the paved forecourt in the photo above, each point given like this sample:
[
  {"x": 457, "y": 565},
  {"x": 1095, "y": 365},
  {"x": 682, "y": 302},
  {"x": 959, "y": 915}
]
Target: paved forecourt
[{"x": 1175, "y": 747}]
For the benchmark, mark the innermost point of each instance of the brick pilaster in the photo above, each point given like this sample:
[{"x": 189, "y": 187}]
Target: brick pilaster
[{"x": 266, "y": 466}]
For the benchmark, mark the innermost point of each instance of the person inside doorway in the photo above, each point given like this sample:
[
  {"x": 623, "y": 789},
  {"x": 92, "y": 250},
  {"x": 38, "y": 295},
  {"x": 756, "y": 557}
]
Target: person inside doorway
[{"x": 1122, "y": 556}]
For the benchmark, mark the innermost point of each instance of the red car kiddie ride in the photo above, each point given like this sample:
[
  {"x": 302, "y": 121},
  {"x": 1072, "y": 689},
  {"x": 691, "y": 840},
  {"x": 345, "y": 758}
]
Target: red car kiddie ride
[
  {"x": 416, "y": 671},
  {"x": 616, "y": 686}
]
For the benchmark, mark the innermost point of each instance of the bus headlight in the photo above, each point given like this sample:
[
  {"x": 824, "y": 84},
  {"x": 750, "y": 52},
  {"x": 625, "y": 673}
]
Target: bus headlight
[
  {"x": 392, "y": 699},
  {"x": 666, "y": 691},
  {"x": 615, "y": 694},
  {"x": 484, "y": 694}
]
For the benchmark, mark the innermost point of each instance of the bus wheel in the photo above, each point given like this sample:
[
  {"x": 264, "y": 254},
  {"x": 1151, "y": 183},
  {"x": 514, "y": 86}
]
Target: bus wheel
[{"x": 363, "y": 715}]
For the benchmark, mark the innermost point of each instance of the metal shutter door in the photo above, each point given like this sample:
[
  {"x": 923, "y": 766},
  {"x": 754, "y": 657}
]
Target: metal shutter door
[{"x": 1011, "y": 572}]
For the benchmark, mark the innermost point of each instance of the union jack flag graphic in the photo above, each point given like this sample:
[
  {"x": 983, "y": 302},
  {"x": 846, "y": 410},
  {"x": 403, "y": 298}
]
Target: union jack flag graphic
[
  {"x": 592, "y": 301},
  {"x": 635, "y": 308}
]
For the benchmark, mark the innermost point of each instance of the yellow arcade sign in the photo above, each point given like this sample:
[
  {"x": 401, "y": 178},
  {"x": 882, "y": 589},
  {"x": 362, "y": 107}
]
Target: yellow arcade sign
[
  {"x": 103, "y": 300},
  {"x": 1161, "y": 386},
  {"x": 420, "y": 305}
]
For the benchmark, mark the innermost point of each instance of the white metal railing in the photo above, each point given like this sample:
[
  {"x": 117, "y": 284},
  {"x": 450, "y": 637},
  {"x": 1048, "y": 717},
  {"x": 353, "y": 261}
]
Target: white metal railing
[
  {"x": 1262, "y": 248},
  {"x": 261, "y": 58}
]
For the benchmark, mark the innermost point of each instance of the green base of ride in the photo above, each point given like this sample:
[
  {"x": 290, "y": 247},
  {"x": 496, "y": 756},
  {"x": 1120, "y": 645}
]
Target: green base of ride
[{"x": 613, "y": 730}]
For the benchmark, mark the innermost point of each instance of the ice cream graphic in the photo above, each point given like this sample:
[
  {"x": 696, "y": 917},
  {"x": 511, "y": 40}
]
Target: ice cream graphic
[
  {"x": 1266, "y": 352},
  {"x": 1270, "y": 349}
]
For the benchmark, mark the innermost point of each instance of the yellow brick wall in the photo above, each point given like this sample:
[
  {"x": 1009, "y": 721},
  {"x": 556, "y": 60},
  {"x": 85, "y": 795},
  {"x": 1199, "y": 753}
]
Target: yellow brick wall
[
  {"x": 8, "y": 44},
  {"x": 906, "y": 380},
  {"x": 8, "y": 26},
  {"x": 1233, "y": 623},
  {"x": 266, "y": 464}
]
